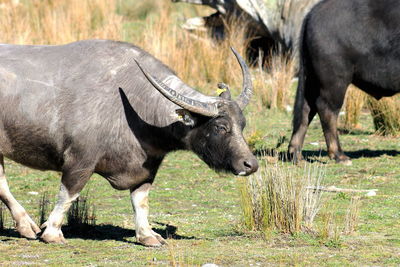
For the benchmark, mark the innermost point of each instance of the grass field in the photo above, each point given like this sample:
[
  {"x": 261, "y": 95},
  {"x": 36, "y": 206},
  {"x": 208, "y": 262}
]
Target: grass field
[{"x": 198, "y": 210}]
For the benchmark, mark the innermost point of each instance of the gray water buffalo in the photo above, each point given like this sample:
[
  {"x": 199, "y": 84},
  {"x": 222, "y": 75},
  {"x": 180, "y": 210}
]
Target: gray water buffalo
[
  {"x": 109, "y": 108},
  {"x": 344, "y": 42}
]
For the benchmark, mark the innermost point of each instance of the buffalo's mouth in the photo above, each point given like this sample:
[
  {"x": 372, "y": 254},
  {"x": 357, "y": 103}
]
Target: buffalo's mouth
[
  {"x": 238, "y": 167},
  {"x": 245, "y": 167},
  {"x": 242, "y": 173}
]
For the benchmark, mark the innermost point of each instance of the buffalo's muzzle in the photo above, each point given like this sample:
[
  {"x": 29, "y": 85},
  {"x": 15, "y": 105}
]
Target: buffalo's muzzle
[{"x": 248, "y": 166}]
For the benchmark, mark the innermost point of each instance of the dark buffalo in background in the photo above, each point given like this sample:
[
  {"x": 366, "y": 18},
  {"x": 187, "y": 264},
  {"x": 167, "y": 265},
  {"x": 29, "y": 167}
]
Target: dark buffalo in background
[
  {"x": 110, "y": 108},
  {"x": 344, "y": 42}
]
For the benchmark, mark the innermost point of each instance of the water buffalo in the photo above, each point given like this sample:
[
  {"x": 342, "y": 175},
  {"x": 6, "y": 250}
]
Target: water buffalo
[
  {"x": 107, "y": 107},
  {"x": 344, "y": 42}
]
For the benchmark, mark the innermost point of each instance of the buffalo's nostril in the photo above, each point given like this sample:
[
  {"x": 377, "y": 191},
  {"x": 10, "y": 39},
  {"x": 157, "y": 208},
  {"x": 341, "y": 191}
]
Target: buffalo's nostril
[
  {"x": 251, "y": 165},
  {"x": 247, "y": 164}
]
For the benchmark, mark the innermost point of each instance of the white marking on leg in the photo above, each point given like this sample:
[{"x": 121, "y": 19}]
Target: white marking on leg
[
  {"x": 139, "y": 199},
  {"x": 24, "y": 224},
  {"x": 5, "y": 195},
  {"x": 54, "y": 223}
]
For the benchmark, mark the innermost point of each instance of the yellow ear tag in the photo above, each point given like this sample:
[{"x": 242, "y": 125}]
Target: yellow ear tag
[
  {"x": 220, "y": 91},
  {"x": 180, "y": 117}
]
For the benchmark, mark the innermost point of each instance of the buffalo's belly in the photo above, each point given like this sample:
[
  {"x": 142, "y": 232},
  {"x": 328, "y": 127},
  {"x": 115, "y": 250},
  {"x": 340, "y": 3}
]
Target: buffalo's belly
[
  {"x": 378, "y": 76},
  {"x": 30, "y": 146},
  {"x": 41, "y": 158}
]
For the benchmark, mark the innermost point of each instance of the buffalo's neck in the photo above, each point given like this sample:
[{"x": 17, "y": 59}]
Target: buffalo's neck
[{"x": 158, "y": 141}]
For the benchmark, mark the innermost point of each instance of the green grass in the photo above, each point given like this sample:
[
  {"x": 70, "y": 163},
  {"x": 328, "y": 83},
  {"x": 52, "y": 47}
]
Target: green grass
[{"x": 200, "y": 211}]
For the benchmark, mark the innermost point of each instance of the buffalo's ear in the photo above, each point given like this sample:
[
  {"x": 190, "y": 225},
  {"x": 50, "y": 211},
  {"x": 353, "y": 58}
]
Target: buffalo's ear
[{"x": 186, "y": 117}]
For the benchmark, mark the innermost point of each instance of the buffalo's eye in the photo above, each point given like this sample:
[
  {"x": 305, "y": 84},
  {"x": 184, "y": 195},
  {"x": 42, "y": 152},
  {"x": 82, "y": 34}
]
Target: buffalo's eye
[{"x": 221, "y": 129}]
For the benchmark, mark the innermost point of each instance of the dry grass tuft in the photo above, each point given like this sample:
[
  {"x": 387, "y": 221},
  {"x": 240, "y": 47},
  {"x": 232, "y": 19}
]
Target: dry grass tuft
[
  {"x": 352, "y": 215},
  {"x": 385, "y": 114},
  {"x": 354, "y": 102},
  {"x": 58, "y": 21},
  {"x": 276, "y": 198},
  {"x": 330, "y": 230}
]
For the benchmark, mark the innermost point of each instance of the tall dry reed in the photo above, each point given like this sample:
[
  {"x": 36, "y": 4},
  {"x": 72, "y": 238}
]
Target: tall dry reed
[
  {"x": 273, "y": 84},
  {"x": 354, "y": 102},
  {"x": 58, "y": 21},
  {"x": 197, "y": 59},
  {"x": 385, "y": 114}
]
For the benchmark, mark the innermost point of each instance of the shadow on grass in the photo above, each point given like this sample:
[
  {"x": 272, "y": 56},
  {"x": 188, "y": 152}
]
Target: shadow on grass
[
  {"x": 103, "y": 232},
  {"x": 354, "y": 132},
  {"x": 112, "y": 232},
  {"x": 356, "y": 154},
  {"x": 7, "y": 234},
  {"x": 315, "y": 155}
]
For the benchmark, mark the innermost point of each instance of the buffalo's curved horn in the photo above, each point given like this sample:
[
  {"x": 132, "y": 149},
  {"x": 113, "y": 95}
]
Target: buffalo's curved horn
[
  {"x": 247, "y": 89},
  {"x": 195, "y": 106}
]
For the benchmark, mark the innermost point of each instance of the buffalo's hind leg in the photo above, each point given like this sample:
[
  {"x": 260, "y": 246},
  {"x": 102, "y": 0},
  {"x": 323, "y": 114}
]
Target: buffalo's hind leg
[
  {"x": 72, "y": 182},
  {"x": 329, "y": 104},
  {"x": 144, "y": 234},
  {"x": 24, "y": 224},
  {"x": 303, "y": 113}
]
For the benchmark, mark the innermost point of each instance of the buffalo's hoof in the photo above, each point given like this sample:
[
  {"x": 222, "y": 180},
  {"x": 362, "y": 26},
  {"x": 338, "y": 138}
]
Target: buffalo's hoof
[
  {"x": 54, "y": 236},
  {"x": 294, "y": 157},
  {"x": 149, "y": 241},
  {"x": 154, "y": 240},
  {"x": 344, "y": 160},
  {"x": 159, "y": 238},
  {"x": 294, "y": 154},
  {"x": 27, "y": 228}
]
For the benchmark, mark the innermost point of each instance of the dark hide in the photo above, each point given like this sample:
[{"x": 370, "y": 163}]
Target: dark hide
[{"x": 344, "y": 42}]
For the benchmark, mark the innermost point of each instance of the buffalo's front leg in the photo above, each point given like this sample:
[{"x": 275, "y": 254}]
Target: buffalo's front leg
[
  {"x": 24, "y": 224},
  {"x": 144, "y": 234},
  {"x": 72, "y": 183}
]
